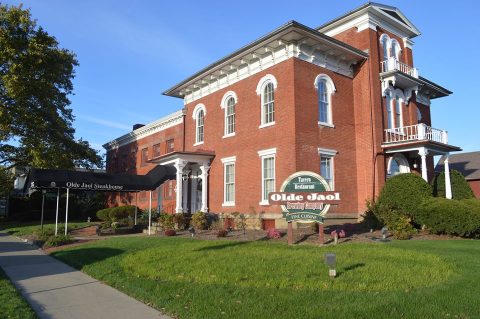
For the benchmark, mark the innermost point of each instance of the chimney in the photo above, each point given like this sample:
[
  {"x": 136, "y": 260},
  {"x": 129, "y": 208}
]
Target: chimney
[{"x": 137, "y": 126}]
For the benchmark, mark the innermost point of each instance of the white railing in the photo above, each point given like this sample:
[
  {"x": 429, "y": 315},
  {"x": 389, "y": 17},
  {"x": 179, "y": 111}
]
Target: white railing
[
  {"x": 418, "y": 132},
  {"x": 393, "y": 64}
]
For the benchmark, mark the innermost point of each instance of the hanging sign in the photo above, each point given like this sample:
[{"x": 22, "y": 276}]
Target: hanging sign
[{"x": 304, "y": 196}]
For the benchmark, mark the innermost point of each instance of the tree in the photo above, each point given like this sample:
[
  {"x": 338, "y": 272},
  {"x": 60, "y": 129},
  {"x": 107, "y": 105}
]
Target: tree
[
  {"x": 460, "y": 187},
  {"x": 35, "y": 82}
]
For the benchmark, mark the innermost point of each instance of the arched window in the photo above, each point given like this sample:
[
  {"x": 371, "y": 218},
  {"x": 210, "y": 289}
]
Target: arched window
[
  {"x": 268, "y": 105},
  {"x": 395, "y": 49},
  {"x": 229, "y": 102},
  {"x": 325, "y": 89},
  {"x": 385, "y": 46},
  {"x": 398, "y": 164},
  {"x": 199, "y": 117},
  {"x": 200, "y": 126},
  {"x": 266, "y": 89}
]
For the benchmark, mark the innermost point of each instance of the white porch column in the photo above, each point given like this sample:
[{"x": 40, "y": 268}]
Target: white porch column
[
  {"x": 179, "y": 165},
  {"x": 423, "y": 154},
  {"x": 204, "y": 167},
  {"x": 448, "y": 185}
]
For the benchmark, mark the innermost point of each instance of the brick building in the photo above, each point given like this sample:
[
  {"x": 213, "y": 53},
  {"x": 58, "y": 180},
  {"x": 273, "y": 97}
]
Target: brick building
[{"x": 343, "y": 100}]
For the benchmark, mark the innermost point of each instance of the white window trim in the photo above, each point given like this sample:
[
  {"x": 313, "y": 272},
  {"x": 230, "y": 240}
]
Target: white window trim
[
  {"x": 199, "y": 107},
  {"x": 260, "y": 88},
  {"x": 326, "y": 152},
  {"x": 404, "y": 166},
  {"x": 390, "y": 43},
  {"x": 223, "y": 105},
  {"x": 227, "y": 161},
  {"x": 263, "y": 154},
  {"x": 331, "y": 89}
]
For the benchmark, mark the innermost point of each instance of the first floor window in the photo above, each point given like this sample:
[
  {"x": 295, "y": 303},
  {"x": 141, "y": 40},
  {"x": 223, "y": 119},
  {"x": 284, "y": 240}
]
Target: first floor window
[
  {"x": 268, "y": 176},
  {"x": 229, "y": 191},
  {"x": 326, "y": 166}
]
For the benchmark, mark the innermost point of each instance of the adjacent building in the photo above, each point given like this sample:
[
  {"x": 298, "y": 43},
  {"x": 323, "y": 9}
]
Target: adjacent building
[{"x": 344, "y": 100}]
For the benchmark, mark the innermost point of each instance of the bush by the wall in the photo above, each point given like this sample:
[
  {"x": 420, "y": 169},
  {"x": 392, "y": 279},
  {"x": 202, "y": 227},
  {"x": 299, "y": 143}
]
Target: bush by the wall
[
  {"x": 166, "y": 221},
  {"x": 451, "y": 217},
  {"x": 199, "y": 220},
  {"x": 460, "y": 187},
  {"x": 55, "y": 241},
  {"x": 113, "y": 214},
  {"x": 404, "y": 193}
]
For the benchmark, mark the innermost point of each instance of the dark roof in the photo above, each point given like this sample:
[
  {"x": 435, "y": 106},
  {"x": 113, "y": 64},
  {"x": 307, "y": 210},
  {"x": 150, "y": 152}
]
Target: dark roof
[
  {"x": 282, "y": 28},
  {"x": 466, "y": 163},
  {"x": 88, "y": 180}
]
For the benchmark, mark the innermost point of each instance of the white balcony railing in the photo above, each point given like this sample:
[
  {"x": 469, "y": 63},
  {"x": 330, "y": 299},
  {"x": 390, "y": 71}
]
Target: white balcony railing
[
  {"x": 418, "y": 132},
  {"x": 393, "y": 64}
]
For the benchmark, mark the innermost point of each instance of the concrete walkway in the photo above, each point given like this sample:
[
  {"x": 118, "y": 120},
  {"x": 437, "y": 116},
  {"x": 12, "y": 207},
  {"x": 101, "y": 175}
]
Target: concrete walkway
[{"x": 55, "y": 290}]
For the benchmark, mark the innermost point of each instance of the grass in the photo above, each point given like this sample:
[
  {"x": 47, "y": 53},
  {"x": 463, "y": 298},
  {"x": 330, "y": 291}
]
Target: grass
[
  {"x": 28, "y": 228},
  {"x": 12, "y": 305},
  {"x": 218, "y": 279}
]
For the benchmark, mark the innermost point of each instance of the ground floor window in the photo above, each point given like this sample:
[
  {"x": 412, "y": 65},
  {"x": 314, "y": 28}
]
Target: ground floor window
[
  {"x": 326, "y": 165},
  {"x": 397, "y": 164},
  {"x": 228, "y": 181},
  {"x": 268, "y": 173}
]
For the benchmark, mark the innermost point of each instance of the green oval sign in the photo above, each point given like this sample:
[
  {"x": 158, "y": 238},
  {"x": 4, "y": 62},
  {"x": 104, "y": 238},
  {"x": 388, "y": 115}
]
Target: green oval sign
[{"x": 304, "y": 196}]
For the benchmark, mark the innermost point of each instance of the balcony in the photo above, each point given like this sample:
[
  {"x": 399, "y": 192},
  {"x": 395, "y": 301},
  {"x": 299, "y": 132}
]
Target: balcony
[
  {"x": 415, "y": 133},
  {"x": 392, "y": 64}
]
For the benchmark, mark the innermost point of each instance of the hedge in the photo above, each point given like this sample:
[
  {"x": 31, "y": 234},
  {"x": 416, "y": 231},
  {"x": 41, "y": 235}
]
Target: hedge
[
  {"x": 404, "y": 193},
  {"x": 116, "y": 213},
  {"x": 450, "y": 216},
  {"x": 460, "y": 187}
]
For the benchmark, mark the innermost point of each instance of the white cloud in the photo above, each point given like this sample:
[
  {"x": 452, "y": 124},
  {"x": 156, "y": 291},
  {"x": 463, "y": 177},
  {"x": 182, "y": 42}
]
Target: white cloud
[{"x": 103, "y": 122}]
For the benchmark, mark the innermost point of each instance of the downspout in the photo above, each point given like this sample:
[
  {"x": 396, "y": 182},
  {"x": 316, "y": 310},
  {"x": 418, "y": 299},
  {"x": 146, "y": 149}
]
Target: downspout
[{"x": 184, "y": 123}]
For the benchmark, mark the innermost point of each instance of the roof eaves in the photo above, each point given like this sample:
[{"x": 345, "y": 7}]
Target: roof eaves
[{"x": 282, "y": 28}]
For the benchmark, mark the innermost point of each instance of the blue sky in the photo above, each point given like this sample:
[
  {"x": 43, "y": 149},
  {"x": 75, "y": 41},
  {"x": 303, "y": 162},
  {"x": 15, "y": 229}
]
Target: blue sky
[{"x": 131, "y": 51}]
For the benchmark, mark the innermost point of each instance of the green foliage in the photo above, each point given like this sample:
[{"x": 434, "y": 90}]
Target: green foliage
[
  {"x": 179, "y": 220},
  {"x": 242, "y": 222},
  {"x": 55, "y": 241},
  {"x": 199, "y": 220},
  {"x": 450, "y": 216},
  {"x": 115, "y": 214},
  {"x": 35, "y": 82},
  {"x": 369, "y": 219},
  {"x": 167, "y": 221},
  {"x": 403, "y": 193},
  {"x": 460, "y": 187},
  {"x": 6, "y": 182}
]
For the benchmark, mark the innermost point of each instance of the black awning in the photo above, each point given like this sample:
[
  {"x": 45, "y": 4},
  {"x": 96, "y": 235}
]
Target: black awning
[{"x": 85, "y": 180}]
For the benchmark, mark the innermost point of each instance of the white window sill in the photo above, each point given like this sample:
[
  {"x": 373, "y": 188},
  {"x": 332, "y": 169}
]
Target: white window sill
[
  {"x": 264, "y": 203},
  {"x": 229, "y": 135},
  {"x": 228, "y": 204},
  {"x": 267, "y": 124},
  {"x": 198, "y": 143},
  {"x": 326, "y": 124}
]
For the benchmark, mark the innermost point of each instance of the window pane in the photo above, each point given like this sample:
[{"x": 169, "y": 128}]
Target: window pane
[
  {"x": 389, "y": 112},
  {"x": 268, "y": 176},
  {"x": 323, "y": 110},
  {"x": 200, "y": 126},
  {"x": 229, "y": 182},
  {"x": 230, "y": 116},
  {"x": 326, "y": 169},
  {"x": 398, "y": 114}
]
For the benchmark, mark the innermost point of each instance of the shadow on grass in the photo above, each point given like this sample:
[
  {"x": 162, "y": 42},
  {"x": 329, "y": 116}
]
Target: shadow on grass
[
  {"x": 224, "y": 246},
  {"x": 350, "y": 268},
  {"x": 80, "y": 257}
]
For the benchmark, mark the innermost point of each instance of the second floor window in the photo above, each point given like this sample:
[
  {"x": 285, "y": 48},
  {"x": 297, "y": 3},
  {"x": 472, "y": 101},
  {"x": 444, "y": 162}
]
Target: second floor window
[
  {"x": 325, "y": 88},
  {"x": 230, "y": 117},
  {"x": 200, "y": 127},
  {"x": 144, "y": 156},
  {"x": 170, "y": 146},
  {"x": 156, "y": 150},
  {"x": 398, "y": 111},
  {"x": 268, "y": 107}
]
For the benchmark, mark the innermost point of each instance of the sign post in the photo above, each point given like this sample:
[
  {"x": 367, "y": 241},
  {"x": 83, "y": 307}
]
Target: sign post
[{"x": 304, "y": 197}]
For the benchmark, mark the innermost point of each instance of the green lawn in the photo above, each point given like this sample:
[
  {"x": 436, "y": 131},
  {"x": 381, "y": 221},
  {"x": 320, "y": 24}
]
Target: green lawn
[
  {"x": 227, "y": 279},
  {"x": 28, "y": 228},
  {"x": 12, "y": 304}
]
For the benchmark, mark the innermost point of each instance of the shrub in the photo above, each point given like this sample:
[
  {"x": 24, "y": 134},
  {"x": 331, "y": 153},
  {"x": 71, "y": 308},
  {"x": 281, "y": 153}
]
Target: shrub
[
  {"x": 166, "y": 222},
  {"x": 199, "y": 220},
  {"x": 460, "y": 187},
  {"x": 222, "y": 233},
  {"x": 402, "y": 193},
  {"x": 242, "y": 222},
  {"x": 102, "y": 214},
  {"x": 179, "y": 220},
  {"x": 451, "y": 217},
  {"x": 369, "y": 219},
  {"x": 45, "y": 235},
  {"x": 170, "y": 232},
  {"x": 273, "y": 233},
  {"x": 55, "y": 241}
]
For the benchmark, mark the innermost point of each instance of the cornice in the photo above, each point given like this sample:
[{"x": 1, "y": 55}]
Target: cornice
[{"x": 144, "y": 131}]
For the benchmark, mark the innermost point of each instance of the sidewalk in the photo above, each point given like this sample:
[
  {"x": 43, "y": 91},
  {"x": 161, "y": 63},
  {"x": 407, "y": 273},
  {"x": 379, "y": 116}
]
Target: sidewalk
[{"x": 55, "y": 290}]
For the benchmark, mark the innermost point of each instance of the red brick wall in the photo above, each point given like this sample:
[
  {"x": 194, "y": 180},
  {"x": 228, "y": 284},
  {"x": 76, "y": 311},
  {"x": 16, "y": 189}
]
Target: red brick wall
[{"x": 475, "y": 185}]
